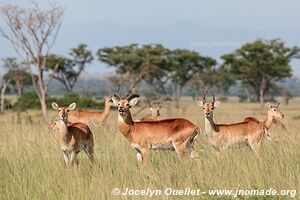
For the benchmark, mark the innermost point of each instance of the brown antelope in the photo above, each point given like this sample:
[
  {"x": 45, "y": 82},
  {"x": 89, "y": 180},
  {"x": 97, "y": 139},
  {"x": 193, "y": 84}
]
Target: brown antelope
[
  {"x": 272, "y": 115},
  {"x": 170, "y": 134},
  {"x": 89, "y": 116},
  {"x": 72, "y": 137},
  {"x": 154, "y": 108},
  {"x": 223, "y": 136}
]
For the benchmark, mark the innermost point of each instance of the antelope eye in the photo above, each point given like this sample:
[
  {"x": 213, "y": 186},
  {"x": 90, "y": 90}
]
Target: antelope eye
[
  {"x": 67, "y": 110},
  {"x": 58, "y": 110},
  {"x": 203, "y": 108},
  {"x": 212, "y": 108},
  {"x": 127, "y": 104}
]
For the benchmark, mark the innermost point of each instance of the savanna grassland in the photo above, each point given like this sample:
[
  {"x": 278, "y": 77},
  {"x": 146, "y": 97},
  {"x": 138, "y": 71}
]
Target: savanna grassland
[{"x": 32, "y": 165}]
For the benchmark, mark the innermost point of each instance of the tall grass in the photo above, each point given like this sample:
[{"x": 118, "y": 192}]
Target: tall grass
[{"x": 32, "y": 166}]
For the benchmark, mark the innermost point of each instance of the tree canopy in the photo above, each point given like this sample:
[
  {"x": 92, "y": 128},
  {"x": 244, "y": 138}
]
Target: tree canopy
[{"x": 259, "y": 63}]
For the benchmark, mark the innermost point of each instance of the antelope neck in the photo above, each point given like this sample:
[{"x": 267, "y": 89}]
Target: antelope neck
[
  {"x": 210, "y": 126},
  {"x": 125, "y": 124},
  {"x": 268, "y": 121}
]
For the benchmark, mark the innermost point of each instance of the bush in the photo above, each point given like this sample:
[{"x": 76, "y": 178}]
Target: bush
[
  {"x": 82, "y": 102},
  {"x": 31, "y": 101},
  {"x": 28, "y": 100}
]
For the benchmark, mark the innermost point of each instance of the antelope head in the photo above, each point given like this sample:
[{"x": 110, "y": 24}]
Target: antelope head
[
  {"x": 124, "y": 104},
  {"x": 63, "y": 112},
  {"x": 274, "y": 111},
  {"x": 208, "y": 107}
]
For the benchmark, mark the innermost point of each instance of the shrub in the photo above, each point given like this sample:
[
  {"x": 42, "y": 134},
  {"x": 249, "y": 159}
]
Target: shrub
[
  {"x": 31, "y": 101},
  {"x": 82, "y": 102},
  {"x": 28, "y": 100}
]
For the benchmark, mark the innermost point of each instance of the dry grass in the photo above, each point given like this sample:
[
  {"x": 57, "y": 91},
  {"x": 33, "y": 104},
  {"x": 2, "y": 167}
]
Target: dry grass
[{"x": 32, "y": 166}]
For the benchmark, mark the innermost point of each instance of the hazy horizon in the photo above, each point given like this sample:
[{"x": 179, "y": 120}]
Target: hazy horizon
[{"x": 212, "y": 28}]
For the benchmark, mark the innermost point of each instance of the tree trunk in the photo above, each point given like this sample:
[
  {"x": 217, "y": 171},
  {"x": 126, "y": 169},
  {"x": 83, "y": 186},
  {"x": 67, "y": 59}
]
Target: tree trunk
[
  {"x": 248, "y": 95},
  {"x": 3, "y": 90},
  {"x": 19, "y": 88},
  {"x": 42, "y": 92},
  {"x": 261, "y": 95},
  {"x": 44, "y": 104},
  {"x": 262, "y": 88}
]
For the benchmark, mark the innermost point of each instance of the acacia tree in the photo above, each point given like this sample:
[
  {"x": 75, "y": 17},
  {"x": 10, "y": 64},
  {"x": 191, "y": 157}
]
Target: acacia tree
[
  {"x": 8, "y": 64},
  {"x": 67, "y": 70},
  {"x": 32, "y": 33},
  {"x": 17, "y": 74},
  {"x": 204, "y": 74},
  {"x": 134, "y": 62},
  {"x": 259, "y": 63}
]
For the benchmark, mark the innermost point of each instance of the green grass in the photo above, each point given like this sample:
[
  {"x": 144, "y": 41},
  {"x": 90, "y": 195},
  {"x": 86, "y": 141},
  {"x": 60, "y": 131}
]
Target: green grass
[{"x": 32, "y": 166}]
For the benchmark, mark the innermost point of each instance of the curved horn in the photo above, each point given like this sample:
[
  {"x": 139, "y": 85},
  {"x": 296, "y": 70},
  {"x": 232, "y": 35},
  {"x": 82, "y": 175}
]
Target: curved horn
[
  {"x": 214, "y": 99},
  {"x": 204, "y": 96},
  {"x": 132, "y": 96},
  {"x": 116, "y": 94}
]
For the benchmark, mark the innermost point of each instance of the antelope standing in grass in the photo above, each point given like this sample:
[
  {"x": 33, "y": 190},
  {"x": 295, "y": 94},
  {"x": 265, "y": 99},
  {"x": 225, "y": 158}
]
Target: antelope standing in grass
[
  {"x": 273, "y": 113},
  {"x": 154, "y": 108},
  {"x": 72, "y": 137},
  {"x": 89, "y": 116},
  {"x": 170, "y": 134},
  {"x": 222, "y": 136}
]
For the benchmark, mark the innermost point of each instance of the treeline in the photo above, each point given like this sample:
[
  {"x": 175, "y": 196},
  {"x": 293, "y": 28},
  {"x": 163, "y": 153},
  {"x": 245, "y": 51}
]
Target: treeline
[
  {"x": 32, "y": 32},
  {"x": 256, "y": 66}
]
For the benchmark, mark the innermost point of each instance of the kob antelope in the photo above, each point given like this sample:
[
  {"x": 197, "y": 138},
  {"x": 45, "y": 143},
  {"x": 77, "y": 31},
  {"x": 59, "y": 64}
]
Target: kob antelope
[
  {"x": 72, "y": 137},
  {"x": 154, "y": 108},
  {"x": 273, "y": 113},
  {"x": 89, "y": 116},
  {"x": 223, "y": 136},
  {"x": 169, "y": 134}
]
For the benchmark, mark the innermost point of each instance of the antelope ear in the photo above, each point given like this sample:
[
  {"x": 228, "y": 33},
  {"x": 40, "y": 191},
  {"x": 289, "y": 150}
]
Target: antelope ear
[
  {"x": 72, "y": 106},
  {"x": 115, "y": 101},
  {"x": 268, "y": 104},
  {"x": 133, "y": 101},
  {"x": 217, "y": 103},
  {"x": 199, "y": 102},
  {"x": 55, "y": 106}
]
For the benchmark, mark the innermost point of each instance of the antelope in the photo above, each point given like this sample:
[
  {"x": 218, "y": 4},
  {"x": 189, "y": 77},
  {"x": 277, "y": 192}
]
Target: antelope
[
  {"x": 170, "y": 134},
  {"x": 154, "y": 108},
  {"x": 89, "y": 116},
  {"x": 223, "y": 136},
  {"x": 272, "y": 115},
  {"x": 72, "y": 137}
]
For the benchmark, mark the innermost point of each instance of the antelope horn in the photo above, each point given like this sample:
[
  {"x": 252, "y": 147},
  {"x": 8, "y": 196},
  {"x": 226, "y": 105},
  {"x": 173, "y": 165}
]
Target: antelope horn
[
  {"x": 204, "y": 96},
  {"x": 116, "y": 94},
  {"x": 213, "y": 97},
  {"x": 132, "y": 96},
  {"x": 277, "y": 105}
]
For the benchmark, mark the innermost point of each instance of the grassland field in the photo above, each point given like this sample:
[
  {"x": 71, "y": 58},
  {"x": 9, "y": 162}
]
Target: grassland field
[{"x": 32, "y": 166}]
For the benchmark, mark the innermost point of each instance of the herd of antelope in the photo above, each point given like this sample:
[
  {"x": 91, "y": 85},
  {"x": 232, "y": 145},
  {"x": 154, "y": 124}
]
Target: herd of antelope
[{"x": 71, "y": 129}]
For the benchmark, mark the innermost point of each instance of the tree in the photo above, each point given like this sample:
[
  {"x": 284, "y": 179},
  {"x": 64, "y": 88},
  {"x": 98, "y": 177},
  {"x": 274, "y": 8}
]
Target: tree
[
  {"x": 8, "y": 63},
  {"x": 17, "y": 74},
  {"x": 184, "y": 62},
  {"x": 32, "y": 33},
  {"x": 134, "y": 62},
  {"x": 259, "y": 63},
  {"x": 67, "y": 70},
  {"x": 223, "y": 79}
]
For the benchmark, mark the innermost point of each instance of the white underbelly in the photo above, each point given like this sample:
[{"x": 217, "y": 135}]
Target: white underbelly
[{"x": 167, "y": 146}]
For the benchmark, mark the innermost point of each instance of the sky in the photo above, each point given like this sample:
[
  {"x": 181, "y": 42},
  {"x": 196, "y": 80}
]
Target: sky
[{"x": 211, "y": 27}]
